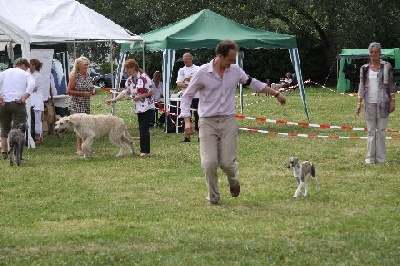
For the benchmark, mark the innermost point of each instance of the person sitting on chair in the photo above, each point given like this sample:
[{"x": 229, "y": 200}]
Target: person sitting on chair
[{"x": 288, "y": 80}]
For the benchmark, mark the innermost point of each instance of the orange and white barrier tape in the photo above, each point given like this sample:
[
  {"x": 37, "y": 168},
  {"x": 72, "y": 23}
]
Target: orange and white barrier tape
[
  {"x": 335, "y": 91},
  {"x": 308, "y": 135},
  {"x": 323, "y": 126},
  {"x": 283, "y": 122},
  {"x": 270, "y": 96},
  {"x": 267, "y": 96}
]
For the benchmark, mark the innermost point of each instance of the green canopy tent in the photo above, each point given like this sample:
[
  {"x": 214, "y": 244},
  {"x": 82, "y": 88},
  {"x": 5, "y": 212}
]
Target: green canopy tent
[
  {"x": 347, "y": 55},
  {"x": 206, "y": 29}
]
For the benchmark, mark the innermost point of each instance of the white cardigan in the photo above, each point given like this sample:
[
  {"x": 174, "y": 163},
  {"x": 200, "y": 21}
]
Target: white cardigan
[{"x": 37, "y": 95}]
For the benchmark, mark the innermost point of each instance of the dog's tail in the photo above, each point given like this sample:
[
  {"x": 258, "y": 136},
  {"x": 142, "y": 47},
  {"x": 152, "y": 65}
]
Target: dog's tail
[
  {"x": 312, "y": 170},
  {"x": 126, "y": 134}
]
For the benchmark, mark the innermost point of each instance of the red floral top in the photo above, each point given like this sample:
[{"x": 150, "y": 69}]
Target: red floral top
[{"x": 140, "y": 85}]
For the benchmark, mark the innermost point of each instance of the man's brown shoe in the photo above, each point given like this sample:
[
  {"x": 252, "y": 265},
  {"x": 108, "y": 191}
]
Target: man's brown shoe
[
  {"x": 212, "y": 202},
  {"x": 235, "y": 189}
]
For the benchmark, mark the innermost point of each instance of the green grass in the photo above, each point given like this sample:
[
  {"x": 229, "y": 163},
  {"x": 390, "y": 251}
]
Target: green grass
[{"x": 58, "y": 209}]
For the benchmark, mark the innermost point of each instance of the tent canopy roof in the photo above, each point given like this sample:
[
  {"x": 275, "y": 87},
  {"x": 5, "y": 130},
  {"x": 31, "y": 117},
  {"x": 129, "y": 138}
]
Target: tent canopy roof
[
  {"x": 41, "y": 21},
  {"x": 393, "y": 53},
  {"x": 364, "y": 53},
  {"x": 206, "y": 29}
]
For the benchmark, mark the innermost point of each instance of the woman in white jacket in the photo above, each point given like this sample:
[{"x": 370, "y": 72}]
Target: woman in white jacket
[{"x": 37, "y": 98}]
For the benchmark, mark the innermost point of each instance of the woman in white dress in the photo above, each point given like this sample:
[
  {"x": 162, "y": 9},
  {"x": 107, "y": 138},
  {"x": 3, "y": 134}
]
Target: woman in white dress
[{"x": 37, "y": 105}]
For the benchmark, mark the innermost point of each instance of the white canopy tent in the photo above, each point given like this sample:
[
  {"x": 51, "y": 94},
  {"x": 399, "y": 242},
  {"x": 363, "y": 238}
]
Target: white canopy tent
[
  {"x": 49, "y": 21},
  {"x": 27, "y": 22}
]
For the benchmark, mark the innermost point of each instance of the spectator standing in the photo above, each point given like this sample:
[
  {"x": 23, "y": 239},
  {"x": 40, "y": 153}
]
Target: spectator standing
[
  {"x": 80, "y": 88},
  {"x": 16, "y": 85},
  {"x": 37, "y": 105},
  {"x": 378, "y": 92},
  {"x": 140, "y": 88},
  {"x": 216, "y": 83},
  {"x": 49, "y": 88},
  {"x": 157, "y": 95},
  {"x": 185, "y": 74},
  {"x": 352, "y": 73}
]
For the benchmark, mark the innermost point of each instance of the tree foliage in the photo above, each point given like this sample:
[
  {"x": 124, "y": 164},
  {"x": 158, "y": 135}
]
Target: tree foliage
[{"x": 322, "y": 27}]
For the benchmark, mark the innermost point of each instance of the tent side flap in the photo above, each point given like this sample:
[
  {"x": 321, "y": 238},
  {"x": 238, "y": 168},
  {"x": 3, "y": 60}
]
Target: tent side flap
[{"x": 343, "y": 85}]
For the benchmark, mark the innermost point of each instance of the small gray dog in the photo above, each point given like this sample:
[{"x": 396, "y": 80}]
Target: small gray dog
[
  {"x": 300, "y": 171},
  {"x": 16, "y": 143}
]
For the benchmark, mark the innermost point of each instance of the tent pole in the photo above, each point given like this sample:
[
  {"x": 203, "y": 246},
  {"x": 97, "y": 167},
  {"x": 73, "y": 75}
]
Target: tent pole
[
  {"x": 74, "y": 50},
  {"x": 26, "y": 53},
  {"x": 144, "y": 63},
  {"x": 167, "y": 66},
  {"x": 239, "y": 61},
  {"x": 112, "y": 65},
  {"x": 294, "y": 57},
  {"x": 112, "y": 76},
  {"x": 10, "y": 52}
]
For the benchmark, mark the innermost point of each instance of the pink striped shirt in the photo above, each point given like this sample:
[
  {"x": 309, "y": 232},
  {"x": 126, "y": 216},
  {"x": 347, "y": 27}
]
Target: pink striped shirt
[{"x": 216, "y": 94}]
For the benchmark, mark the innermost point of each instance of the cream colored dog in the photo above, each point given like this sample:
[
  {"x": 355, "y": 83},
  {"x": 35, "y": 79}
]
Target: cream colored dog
[
  {"x": 90, "y": 127},
  {"x": 300, "y": 171}
]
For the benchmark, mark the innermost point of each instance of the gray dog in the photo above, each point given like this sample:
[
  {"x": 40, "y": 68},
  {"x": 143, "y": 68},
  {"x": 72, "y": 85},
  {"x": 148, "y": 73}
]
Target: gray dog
[
  {"x": 300, "y": 171},
  {"x": 16, "y": 142}
]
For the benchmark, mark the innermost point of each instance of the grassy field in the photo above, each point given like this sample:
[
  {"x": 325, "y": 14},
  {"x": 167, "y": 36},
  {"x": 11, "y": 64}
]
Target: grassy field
[{"x": 59, "y": 209}]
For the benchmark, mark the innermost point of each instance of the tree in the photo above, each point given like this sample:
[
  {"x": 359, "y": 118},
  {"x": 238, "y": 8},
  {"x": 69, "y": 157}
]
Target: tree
[{"x": 322, "y": 27}]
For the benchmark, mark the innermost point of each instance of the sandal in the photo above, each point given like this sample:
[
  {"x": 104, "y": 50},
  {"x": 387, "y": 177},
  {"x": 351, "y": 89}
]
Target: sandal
[
  {"x": 38, "y": 139},
  {"x": 143, "y": 154},
  {"x": 79, "y": 153}
]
